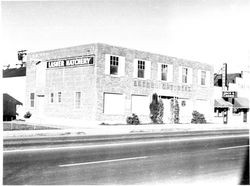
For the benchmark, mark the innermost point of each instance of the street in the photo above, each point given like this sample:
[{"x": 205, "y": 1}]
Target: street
[{"x": 195, "y": 158}]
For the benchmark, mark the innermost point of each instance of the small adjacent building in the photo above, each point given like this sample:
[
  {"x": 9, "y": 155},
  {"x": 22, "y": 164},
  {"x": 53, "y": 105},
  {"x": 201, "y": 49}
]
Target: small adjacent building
[
  {"x": 232, "y": 102},
  {"x": 98, "y": 83},
  {"x": 13, "y": 88},
  {"x": 10, "y": 107}
]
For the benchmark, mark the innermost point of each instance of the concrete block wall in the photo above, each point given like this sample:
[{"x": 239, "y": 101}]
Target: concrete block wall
[
  {"x": 66, "y": 80},
  {"x": 125, "y": 84},
  {"x": 92, "y": 82}
]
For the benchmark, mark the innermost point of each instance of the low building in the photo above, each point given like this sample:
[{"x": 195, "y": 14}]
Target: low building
[
  {"x": 103, "y": 83},
  {"x": 13, "y": 84},
  {"x": 10, "y": 107},
  {"x": 234, "y": 102}
]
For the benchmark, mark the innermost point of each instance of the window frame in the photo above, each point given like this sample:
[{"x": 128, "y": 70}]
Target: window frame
[
  {"x": 203, "y": 77},
  {"x": 32, "y": 100},
  {"x": 141, "y": 66},
  {"x": 51, "y": 97},
  {"x": 164, "y": 66},
  {"x": 114, "y": 64},
  {"x": 77, "y": 102},
  {"x": 184, "y": 75},
  {"x": 59, "y": 97}
]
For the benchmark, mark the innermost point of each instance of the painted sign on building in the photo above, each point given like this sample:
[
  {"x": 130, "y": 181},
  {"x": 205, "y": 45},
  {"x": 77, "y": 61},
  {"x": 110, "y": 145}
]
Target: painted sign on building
[
  {"x": 67, "y": 62},
  {"x": 166, "y": 86},
  {"x": 229, "y": 94}
]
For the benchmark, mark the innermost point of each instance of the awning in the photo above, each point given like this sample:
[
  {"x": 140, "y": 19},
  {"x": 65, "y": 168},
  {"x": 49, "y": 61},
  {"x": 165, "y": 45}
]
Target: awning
[
  {"x": 221, "y": 103},
  {"x": 241, "y": 102}
]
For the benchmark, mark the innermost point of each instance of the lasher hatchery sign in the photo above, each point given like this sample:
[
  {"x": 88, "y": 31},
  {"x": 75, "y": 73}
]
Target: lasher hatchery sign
[{"x": 69, "y": 62}]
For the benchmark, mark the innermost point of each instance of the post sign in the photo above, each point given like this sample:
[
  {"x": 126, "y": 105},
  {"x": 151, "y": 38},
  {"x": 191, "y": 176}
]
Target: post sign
[
  {"x": 229, "y": 94},
  {"x": 76, "y": 61}
]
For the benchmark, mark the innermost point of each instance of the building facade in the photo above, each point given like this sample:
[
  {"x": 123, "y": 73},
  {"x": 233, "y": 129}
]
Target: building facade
[
  {"x": 103, "y": 83},
  {"x": 235, "y": 99}
]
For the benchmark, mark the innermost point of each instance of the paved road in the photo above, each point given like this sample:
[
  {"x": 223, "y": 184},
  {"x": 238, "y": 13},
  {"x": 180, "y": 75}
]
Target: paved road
[{"x": 192, "y": 159}]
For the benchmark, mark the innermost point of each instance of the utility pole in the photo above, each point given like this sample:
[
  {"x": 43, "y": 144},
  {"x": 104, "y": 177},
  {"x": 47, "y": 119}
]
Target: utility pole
[
  {"x": 224, "y": 77},
  {"x": 224, "y": 88}
]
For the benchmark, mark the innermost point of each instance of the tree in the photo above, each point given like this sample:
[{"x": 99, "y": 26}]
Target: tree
[
  {"x": 156, "y": 109},
  {"x": 175, "y": 111}
]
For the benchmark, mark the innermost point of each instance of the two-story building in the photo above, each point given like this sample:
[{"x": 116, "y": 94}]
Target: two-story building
[{"x": 103, "y": 83}]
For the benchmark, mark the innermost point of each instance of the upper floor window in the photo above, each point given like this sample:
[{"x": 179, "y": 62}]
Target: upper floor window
[
  {"x": 114, "y": 62},
  {"x": 32, "y": 99},
  {"x": 203, "y": 77},
  {"x": 141, "y": 69},
  {"x": 184, "y": 75},
  {"x": 114, "y": 65},
  {"x": 164, "y": 71}
]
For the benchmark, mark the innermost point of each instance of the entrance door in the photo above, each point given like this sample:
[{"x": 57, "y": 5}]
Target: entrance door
[
  {"x": 186, "y": 109},
  {"x": 40, "y": 105},
  {"x": 167, "y": 110}
]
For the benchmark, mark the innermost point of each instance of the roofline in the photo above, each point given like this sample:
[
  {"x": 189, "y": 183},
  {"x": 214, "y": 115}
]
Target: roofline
[{"x": 98, "y": 43}]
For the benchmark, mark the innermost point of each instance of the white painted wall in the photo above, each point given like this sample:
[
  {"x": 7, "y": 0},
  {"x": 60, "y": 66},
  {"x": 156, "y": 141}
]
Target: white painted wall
[
  {"x": 140, "y": 104},
  {"x": 114, "y": 103}
]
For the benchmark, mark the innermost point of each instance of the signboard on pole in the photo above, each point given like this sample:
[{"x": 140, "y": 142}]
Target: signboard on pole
[{"x": 229, "y": 94}]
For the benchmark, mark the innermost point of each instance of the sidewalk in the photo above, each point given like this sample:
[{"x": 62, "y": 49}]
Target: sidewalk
[{"x": 123, "y": 129}]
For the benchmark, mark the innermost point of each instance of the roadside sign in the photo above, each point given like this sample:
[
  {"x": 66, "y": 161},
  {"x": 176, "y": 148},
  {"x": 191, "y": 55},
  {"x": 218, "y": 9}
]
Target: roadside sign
[{"x": 229, "y": 94}]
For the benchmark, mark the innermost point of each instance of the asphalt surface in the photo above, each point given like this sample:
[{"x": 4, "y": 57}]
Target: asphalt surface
[{"x": 213, "y": 157}]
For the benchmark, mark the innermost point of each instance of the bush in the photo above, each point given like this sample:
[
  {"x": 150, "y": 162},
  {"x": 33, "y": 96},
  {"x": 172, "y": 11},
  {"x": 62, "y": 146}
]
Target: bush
[
  {"x": 133, "y": 120},
  {"x": 27, "y": 115},
  {"x": 156, "y": 109},
  {"x": 198, "y": 117}
]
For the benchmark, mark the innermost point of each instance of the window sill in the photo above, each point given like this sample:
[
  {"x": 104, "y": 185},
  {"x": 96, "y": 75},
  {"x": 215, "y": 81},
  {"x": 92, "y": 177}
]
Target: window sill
[
  {"x": 108, "y": 114},
  {"x": 166, "y": 81},
  {"x": 116, "y": 76}
]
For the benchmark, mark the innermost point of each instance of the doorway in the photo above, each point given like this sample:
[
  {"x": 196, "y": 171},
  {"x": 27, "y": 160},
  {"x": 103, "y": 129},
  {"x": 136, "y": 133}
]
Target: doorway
[
  {"x": 167, "y": 108},
  {"x": 40, "y": 105}
]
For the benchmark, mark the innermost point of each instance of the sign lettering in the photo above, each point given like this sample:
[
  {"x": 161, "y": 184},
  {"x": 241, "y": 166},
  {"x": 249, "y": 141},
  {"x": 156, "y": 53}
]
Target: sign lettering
[
  {"x": 229, "y": 94},
  {"x": 79, "y": 61}
]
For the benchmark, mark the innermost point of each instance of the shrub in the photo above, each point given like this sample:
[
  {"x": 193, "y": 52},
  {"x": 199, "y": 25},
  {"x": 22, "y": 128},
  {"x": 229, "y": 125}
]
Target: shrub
[
  {"x": 198, "y": 117},
  {"x": 175, "y": 111},
  {"x": 156, "y": 109},
  {"x": 27, "y": 115},
  {"x": 133, "y": 120}
]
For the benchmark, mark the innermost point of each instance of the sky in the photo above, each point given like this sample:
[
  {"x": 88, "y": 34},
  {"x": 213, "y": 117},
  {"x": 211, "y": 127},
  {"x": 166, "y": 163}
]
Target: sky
[{"x": 209, "y": 31}]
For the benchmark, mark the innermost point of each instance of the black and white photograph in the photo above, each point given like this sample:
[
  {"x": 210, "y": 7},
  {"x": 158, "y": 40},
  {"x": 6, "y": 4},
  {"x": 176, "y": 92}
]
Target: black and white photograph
[{"x": 125, "y": 92}]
